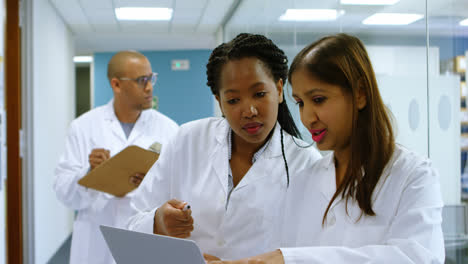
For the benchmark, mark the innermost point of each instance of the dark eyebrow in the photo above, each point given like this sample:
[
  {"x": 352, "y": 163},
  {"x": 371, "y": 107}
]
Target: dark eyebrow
[
  {"x": 250, "y": 88},
  {"x": 311, "y": 91},
  {"x": 230, "y": 91}
]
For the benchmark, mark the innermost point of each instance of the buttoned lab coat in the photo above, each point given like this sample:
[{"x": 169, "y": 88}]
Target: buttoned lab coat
[
  {"x": 406, "y": 228},
  {"x": 194, "y": 167},
  {"x": 100, "y": 128}
]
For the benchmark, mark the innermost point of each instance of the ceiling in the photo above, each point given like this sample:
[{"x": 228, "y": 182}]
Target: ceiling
[
  {"x": 443, "y": 17},
  {"x": 195, "y": 22},
  {"x": 95, "y": 27}
]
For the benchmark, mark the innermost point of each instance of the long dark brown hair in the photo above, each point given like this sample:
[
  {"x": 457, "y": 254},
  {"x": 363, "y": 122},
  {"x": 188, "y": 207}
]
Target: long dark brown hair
[{"x": 343, "y": 60}]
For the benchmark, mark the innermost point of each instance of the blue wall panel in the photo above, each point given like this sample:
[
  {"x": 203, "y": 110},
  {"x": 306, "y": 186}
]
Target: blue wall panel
[{"x": 183, "y": 95}]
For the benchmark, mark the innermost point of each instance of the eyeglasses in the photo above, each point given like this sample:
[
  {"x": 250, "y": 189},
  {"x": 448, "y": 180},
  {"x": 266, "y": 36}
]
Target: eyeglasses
[{"x": 142, "y": 80}]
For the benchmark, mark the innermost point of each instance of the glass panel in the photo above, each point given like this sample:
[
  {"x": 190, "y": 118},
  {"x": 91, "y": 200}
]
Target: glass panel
[
  {"x": 398, "y": 52},
  {"x": 421, "y": 72},
  {"x": 448, "y": 126}
]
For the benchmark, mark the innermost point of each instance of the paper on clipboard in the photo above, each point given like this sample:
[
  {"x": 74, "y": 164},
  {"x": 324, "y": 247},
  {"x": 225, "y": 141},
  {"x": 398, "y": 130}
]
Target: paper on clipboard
[{"x": 112, "y": 176}]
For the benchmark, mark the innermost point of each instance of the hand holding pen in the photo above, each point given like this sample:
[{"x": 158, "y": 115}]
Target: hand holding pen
[
  {"x": 98, "y": 156},
  {"x": 174, "y": 218}
]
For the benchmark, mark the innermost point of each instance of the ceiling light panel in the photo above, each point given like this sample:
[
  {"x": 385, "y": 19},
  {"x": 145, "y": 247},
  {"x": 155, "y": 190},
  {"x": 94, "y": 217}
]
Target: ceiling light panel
[
  {"x": 311, "y": 15},
  {"x": 82, "y": 59},
  {"x": 143, "y": 13},
  {"x": 369, "y": 2},
  {"x": 392, "y": 19},
  {"x": 464, "y": 22}
]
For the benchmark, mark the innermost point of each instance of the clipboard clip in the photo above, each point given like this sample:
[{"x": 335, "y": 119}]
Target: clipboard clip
[{"x": 156, "y": 147}]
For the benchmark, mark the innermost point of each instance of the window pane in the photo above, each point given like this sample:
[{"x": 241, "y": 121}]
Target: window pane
[
  {"x": 398, "y": 52},
  {"x": 448, "y": 128},
  {"x": 420, "y": 61}
]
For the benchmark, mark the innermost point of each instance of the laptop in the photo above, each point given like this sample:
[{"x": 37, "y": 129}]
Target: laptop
[{"x": 129, "y": 247}]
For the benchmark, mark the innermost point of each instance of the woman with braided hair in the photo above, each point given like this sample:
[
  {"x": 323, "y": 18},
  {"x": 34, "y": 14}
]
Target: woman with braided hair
[{"x": 233, "y": 171}]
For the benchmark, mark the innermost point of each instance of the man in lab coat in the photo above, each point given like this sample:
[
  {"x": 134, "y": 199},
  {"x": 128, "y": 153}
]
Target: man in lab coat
[{"x": 96, "y": 136}]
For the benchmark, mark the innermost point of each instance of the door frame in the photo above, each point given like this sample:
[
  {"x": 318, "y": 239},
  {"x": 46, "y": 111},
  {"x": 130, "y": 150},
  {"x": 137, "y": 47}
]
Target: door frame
[{"x": 14, "y": 215}]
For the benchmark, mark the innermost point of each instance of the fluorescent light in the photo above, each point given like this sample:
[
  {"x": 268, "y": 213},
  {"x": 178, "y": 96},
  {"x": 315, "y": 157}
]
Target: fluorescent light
[
  {"x": 464, "y": 22},
  {"x": 82, "y": 59},
  {"x": 143, "y": 13},
  {"x": 311, "y": 14},
  {"x": 369, "y": 2},
  {"x": 392, "y": 19}
]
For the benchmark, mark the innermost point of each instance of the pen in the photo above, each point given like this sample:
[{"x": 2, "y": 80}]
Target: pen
[{"x": 186, "y": 207}]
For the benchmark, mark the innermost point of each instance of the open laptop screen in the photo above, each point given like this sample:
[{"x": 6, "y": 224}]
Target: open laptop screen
[{"x": 129, "y": 247}]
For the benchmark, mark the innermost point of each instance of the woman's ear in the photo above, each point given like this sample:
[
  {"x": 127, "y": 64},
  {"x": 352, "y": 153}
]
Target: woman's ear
[
  {"x": 279, "y": 87},
  {"x": 361, "y": 100}
]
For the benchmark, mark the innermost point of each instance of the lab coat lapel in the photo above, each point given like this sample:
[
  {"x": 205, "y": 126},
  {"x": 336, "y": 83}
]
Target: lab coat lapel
[
  {"x": 139, "y": 127},
  {"x": 327, "y": 178},
  {"x": 262, "y": 167},
  {"x": 219, "y": 157},
  {"x": 113, "y": 122},
  {"x": 259, "y": 169}
]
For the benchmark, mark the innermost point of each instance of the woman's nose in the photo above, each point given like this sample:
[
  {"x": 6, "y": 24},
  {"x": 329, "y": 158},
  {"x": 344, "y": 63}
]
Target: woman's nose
[
  {"x": 309, "y": 117},
  {"x": 250, "y": 111}
]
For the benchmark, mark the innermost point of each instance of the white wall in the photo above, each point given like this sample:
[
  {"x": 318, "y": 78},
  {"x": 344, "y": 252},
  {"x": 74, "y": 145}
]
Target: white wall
[
  {"x": 2, "y": 225},
  {"x": 53, "y": 104}
]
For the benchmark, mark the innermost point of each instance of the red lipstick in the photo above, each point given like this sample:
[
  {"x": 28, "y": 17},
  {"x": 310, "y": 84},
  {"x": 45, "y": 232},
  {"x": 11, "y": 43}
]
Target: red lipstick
[
  {"x": 318, "y": 134},
  {"x": 252, "y": 128}
]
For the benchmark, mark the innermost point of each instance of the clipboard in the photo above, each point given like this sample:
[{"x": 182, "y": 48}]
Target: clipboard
[
  {"x": 112, "y": 176},
  {"x": 129, "y": 247}
]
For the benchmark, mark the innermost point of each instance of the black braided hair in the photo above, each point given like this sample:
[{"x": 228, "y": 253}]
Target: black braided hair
[
  {"x": 260, "y": 47},
  {"x": 284, "y": 158}
]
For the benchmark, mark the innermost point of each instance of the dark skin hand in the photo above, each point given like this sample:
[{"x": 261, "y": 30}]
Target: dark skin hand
[
  {"x": 171, "y": 220},
  {"x": 210, "y": 258},
  {"x": 273, "y": 257},
  {"x": 136, "y": 179},
  {"x": 98, "y": 156}
]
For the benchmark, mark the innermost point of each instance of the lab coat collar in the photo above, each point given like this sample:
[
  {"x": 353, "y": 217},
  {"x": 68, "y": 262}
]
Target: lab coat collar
[
  {"x": 327, "y": 182},
  {"x": 110, "y": 113},
  {"x": 328, "y": 161},
  {"x": 273, "y": 150},
  {"x": 223, "y": 128},
  {"x": 137, "y": 130},
  {"x": 113, "y": 121},
  {"x": 220, "y": 155},
  {"x": 327, "y": 177}
]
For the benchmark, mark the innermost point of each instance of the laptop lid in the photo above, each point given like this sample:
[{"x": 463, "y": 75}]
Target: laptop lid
[{"x": 129, "y": 247}]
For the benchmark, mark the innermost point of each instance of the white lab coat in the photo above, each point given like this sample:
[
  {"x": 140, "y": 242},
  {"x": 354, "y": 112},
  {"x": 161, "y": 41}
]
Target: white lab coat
[
  {"x": 100, "y": 128},
  {"x": 406, "y": 228},
  {"x": 193, "y": 167}
]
